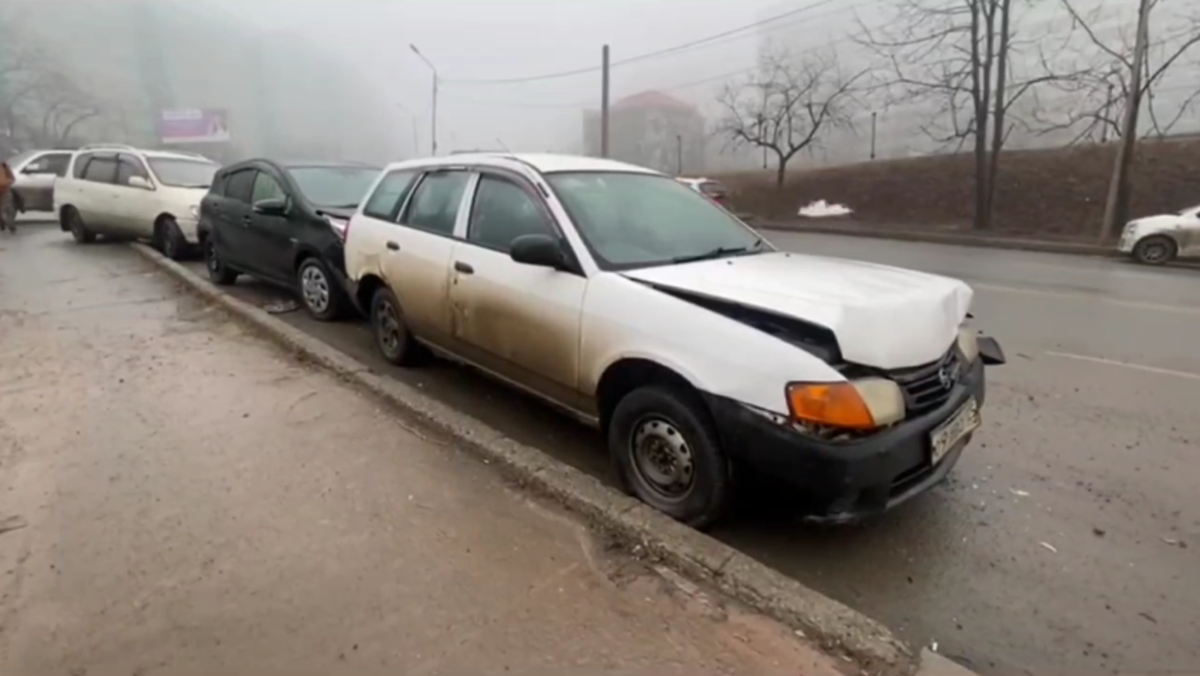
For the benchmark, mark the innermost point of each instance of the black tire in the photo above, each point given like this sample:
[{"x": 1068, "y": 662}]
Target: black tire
[
  {"x": 77, "y": 227},
  {"x": 392, "y": 336},
  {"x": 169, "y": 239},
  {"x": 678, "y": 422},
  {"x": 319, "y": 290},
  {"x": 1155, "y": 250},
  {"x": 218, "y": 272}
]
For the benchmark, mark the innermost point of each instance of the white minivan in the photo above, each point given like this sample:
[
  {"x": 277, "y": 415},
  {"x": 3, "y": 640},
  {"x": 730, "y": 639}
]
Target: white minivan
[
  {"x": 113, "y": 189},
  {"x": 637, "y": 305}
]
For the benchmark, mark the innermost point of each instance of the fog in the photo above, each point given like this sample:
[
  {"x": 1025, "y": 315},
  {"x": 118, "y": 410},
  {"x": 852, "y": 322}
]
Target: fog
[{"x": 340, "y": 79}]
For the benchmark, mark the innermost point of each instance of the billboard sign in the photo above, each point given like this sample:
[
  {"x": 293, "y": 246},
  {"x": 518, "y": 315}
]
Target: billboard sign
[{"x": 194, "y": 125}]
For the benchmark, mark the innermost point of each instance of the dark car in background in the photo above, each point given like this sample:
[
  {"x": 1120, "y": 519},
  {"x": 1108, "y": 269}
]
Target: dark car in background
[{"x": 284, "y": 223}]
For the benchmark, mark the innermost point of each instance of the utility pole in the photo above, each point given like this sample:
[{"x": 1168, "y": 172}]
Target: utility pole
[
  {"x": 604, "y": 102},
  {"x": 679, "y": 154},
  {"x": 1116, "y": 206},
  {"x": 433, "y": 101},
  {"x": 874, "y": 116}
]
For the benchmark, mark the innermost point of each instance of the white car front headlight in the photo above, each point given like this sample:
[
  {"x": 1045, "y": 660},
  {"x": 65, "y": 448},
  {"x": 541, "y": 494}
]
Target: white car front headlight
[
  {"x": 968, "y": 344},
  {"x": 195, "y": 209},
  {"x": 865, "y": 404}
]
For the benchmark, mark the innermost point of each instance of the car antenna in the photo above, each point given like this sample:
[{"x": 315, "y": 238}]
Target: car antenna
[{"x": 504, "y": 147}]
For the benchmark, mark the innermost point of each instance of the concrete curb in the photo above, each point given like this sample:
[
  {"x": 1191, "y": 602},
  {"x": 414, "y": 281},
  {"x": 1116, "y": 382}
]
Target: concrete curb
[
  {"x": 834, "y": 627},
  {"x": 946, "y": 238}
]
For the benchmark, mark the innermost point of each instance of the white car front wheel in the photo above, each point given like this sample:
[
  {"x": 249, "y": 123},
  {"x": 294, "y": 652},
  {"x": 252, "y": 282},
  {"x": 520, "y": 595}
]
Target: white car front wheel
[{"x": 1155, "y": 250}]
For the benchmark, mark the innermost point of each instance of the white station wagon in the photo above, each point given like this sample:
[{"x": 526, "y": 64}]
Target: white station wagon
[{"x": 635, "y": 304}]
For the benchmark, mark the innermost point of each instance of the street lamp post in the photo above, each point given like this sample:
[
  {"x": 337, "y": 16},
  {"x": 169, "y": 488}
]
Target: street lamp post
[{"x": 433, "y": 111}]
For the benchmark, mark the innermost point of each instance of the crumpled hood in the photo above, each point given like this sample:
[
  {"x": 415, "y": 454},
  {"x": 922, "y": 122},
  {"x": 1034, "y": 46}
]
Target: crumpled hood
[{"x": 882, "y": 316}]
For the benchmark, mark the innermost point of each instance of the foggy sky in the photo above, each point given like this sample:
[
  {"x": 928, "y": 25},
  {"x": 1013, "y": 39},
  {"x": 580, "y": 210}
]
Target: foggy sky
[{"x": 482, "y": 39}]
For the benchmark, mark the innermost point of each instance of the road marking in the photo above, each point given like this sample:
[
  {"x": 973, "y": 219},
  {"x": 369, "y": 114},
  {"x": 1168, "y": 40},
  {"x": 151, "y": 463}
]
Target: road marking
[
  {"x": 1137, "y": 367},
  {"x": 1140, "y": 305}
]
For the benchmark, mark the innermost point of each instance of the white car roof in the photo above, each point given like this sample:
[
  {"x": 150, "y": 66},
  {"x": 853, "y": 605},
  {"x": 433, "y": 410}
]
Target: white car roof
[
  {"x": 167, "y": 154},
  {"x": 545, "y": 163},
  {"x": 147, "y": 153}
]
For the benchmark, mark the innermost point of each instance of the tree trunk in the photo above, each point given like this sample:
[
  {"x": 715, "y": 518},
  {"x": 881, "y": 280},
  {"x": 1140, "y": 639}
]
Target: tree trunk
[
  {"x": 780, "y": 170},
  {"x": 1001, "y": 105},
  {"x": 980, "y": 86}
]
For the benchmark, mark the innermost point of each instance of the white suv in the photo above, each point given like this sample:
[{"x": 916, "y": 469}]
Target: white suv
[
  {"x": 122, "y": 191},
  {"x": 637, "y": 305}
]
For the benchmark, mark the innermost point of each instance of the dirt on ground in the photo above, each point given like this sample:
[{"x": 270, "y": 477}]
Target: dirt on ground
[{"x": 1053, "y": 193}]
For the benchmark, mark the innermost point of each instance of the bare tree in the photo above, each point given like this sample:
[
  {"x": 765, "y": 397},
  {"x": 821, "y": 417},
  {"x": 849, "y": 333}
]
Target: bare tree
[
  {"x": 39, "y": 106},
  {"x": 787, "y": 104},
  {"x": 960, "y": 59},
  {"x": 1093, "y": 103}
]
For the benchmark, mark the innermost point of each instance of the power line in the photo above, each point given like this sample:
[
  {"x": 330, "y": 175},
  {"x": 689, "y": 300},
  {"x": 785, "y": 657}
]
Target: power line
[
  {"x": 650, "y": 55},
  {"x": 730, "y": 74}
]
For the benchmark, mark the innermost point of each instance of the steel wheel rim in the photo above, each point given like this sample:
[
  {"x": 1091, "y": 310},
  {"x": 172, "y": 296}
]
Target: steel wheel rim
[
  {"x": 1155, "y": 252},
  {"x": 315, "y": 288},
  {"x": 389, "y": 327},
  {"x": 210, "y": 251},
  {"x": 662, "y": 458}
]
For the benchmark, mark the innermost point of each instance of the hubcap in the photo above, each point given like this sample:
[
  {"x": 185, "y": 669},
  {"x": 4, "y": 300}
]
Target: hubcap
[
  {"x": 662, "y": 459},
  {"x": 315, "y": 288},
  {"x": 1155, "y": 252},
  {"x": 389, "y": 327}
]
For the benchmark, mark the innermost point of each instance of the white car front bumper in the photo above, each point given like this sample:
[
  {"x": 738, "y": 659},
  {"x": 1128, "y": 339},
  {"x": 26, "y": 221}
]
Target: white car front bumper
[
  {"x": 1128, "y": 240},
  {"x": 187, "y": 226}
]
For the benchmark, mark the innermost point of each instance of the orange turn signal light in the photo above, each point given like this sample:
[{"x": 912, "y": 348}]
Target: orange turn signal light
[{"x": 833, "y": 404}]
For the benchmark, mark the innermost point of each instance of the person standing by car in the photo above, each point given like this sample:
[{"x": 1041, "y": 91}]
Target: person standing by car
[{"x": 8, "y": 203}]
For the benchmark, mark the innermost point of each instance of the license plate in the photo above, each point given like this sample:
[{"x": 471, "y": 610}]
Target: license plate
[{"x": 948, "y": 434}]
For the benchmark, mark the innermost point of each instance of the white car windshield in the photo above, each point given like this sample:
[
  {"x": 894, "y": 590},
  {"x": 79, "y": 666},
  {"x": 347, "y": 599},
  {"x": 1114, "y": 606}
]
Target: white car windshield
[
  {"x": 631, "y": 220},
  {"x": 180, "y": 173},
  {"x": 334, "y": 187}
]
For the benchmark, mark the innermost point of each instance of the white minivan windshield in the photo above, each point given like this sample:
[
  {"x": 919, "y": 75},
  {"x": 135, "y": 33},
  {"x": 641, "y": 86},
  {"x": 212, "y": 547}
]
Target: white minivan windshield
[{"x": 631, "y": 220}]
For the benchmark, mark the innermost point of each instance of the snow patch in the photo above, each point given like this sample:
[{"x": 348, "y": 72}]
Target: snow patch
[{"x": 823, "y": 209}]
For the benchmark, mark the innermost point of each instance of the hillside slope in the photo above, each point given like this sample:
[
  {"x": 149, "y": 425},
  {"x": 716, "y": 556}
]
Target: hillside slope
[{"x": 1058, "y": 192}]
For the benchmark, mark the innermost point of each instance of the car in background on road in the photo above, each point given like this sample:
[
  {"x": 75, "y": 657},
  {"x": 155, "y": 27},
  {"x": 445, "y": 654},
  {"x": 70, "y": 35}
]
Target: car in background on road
[
  {"x": 713, "y": 190},
  {"x": 36, "y": 172},
  {"x": 1157, "y": 240},
  {"x": 626, "y": 299},
  {"x": 284, "y": 223},
  {"x": 122, "y": 191}
]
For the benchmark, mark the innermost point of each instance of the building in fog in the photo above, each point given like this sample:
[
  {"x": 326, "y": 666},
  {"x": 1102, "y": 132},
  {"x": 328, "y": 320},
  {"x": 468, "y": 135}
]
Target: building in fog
[{"x": 651, "y": 130}]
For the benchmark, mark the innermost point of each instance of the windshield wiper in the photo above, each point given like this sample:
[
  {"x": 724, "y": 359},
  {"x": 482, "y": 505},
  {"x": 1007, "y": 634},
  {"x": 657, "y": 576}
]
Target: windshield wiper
[{"x": 719, "y": 252}]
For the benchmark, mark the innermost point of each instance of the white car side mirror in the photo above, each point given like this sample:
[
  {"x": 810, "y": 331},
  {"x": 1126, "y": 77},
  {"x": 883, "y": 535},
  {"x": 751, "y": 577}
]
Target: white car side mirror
[{"x": 140, "y": 182}]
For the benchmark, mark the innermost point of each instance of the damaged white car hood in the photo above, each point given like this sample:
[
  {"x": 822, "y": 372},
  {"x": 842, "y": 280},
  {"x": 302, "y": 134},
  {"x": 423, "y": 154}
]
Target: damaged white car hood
[{"x": 882, "y": 316}]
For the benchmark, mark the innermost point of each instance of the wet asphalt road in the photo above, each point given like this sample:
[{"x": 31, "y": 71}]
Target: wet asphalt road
[{"x": 1068, "y": 539}]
